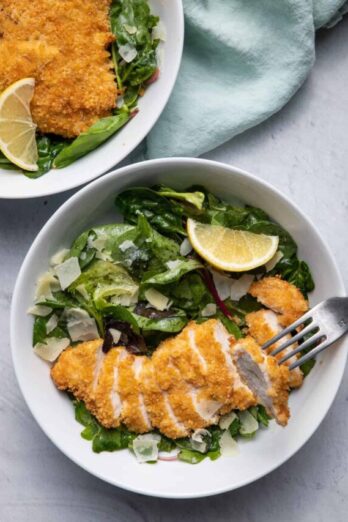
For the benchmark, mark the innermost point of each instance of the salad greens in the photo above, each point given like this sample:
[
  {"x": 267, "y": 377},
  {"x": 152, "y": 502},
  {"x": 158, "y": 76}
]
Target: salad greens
[
  {"x": 115, "y": 439},
  {"x": 134, "y": 56},
  {"x": 136, "y": 278},
  {"x": 167, "y": 214}
]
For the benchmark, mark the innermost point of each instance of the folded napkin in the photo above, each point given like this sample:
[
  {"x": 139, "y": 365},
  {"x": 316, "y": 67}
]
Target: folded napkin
[{"x": 243, "y": 60}]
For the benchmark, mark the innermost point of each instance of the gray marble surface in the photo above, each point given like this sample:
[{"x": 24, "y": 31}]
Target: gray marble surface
[{"x": 302, "y": 151}]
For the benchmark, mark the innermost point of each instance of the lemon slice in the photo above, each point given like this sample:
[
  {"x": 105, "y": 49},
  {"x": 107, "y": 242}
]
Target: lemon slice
[
  {"x": 17, "y": 129},
  {"x": 231, "y": 250}
]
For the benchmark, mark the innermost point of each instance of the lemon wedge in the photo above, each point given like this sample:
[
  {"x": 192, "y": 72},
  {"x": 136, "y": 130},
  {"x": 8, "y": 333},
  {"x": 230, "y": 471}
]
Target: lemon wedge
[
  {"x": 17, "y": 129},
  {"x": 231, "y": 250}
]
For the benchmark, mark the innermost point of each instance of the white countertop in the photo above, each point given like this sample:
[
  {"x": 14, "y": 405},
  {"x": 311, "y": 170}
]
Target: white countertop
[{"x": 303, "y": 151}]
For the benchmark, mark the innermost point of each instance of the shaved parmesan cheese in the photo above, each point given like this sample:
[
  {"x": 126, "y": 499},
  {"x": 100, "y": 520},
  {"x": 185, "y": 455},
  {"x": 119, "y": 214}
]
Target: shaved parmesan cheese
[
  {"x": 115, "y": 334},
  {"x": 98, "y": 243},
  {"x": 157, "y": 300},
  {"x": 51, "y": 348},
  {"x": 145, "y": 447},
  {"x": 248, "y": 423},
  {"x": 51, "y": 323},
  {"x": 80, "y": 325},
  {"x": 68, "y": 272},
  {"x": 226, "y": 420},
  {"x": 119, "y": 102},
  {"x": 185, "y": 247},
  {"x": 272, "y": 262},
  {"x": 59, "y": 257},
  {"x": 208, "y": 310},
  {"x": 127, "y": 52},
  {"x": 200, "y": 440},
  {"x": 46, "y": 284},
  {"x": 173, "y": 264},
  {"x": 222, "y": 284},
  {"x": 81, "y": 289},
  {"x": 40, "y": 310},
  {"x": 126, "y": 245},
  {"x": 104, "y": 256},
  {"x": 159, "y": 32},
  {"x": 240, "y": 287},
  {"x": 228, "y": 446},
  {"x": 131, "y": 29}
]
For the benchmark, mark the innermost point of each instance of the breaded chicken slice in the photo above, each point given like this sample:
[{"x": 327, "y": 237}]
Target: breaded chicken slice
[
  {"x": 223, "y": 383},
  {"x": 263, "y": 325},
  {"x": 268, "y": 380},
  {"x": 64, "y": 46},
  {"x": 181, "y": 395},
  {"x": 108, "y": 403},
  {"x": 281, "y": 297},
  {"x": 77, "y": 371},
  {"x": 134, "y": 413},
  {"x": 158, "y": 405}
]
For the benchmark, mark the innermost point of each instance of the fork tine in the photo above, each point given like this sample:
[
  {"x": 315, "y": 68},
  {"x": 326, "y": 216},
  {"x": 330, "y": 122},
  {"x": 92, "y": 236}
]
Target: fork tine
[
  {"x": 295, "y": 338},
  {"x": 310, "y": 355},
  {"x": 307, "y": 344},
  {"x": 288, "y": 329}
]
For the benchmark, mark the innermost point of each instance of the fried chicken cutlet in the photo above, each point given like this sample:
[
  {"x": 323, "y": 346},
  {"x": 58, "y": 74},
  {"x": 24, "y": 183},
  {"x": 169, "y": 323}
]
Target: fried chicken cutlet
[
  {"x": 190, "y": 380},
  {"x": 63, "y": 45},
  {"x": 285, "y": 304}
]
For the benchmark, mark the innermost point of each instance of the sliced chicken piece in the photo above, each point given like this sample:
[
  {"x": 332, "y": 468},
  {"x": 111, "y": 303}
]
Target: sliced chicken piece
[
  {"x": 158, "y": 405},
  {"x": 223, "y": 383},
  {"x": 263, "y": 325},
  {"x": 193, "y": 368},
  {"x": 77, "y": 370},
  {"x": 108, "y": 403},
  {"x": 281, "y": 297},
  {"x": 181, "y": 395},
  {"x": 268, "y": 380},
  {"x": 134, "y": 414}
]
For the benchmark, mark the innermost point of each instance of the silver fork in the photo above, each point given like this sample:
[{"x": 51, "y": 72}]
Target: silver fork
[{"x": 327, "y": 321}]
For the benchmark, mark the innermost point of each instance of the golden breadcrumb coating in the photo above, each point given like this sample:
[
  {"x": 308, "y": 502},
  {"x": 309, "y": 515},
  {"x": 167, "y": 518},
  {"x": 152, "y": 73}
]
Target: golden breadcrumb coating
[
  {"x": 188, "y": 382},
  {"x": 132, "y": 414},
  {"x": 281, "y": 297},
  {"x": 108, "y": 405},
  {"x": 263, "y": 325},
  {"x": 63, "y": 45},
  {"x": 75, "y": 371}
]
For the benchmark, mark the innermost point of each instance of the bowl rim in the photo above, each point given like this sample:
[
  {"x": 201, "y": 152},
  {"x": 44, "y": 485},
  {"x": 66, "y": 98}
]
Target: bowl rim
[
  {"x": 124, "y": 172},
  {"x": 150, "y": 124}
]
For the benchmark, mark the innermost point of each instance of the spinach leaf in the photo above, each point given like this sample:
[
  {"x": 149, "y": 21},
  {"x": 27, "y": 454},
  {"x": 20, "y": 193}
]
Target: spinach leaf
[
  {"x": 296, "y": 272},
  {"x": 191, "y": 456},
  {"x": 172, "y": 324},
  {"x": 132, "y": 24},
  {"x": 91, "y": 139},
  {"x": 174, "y": 271},
  {"x": 189, "y": 294},
  {"x": 234, "y": 427},
  {"x": 193, "y": 198},
  {"x": 262, "y": 416},
  {"x": 48, "y": 148},
  {"x": 102, "y": 439},
  {"x": 163, "y": 215}
]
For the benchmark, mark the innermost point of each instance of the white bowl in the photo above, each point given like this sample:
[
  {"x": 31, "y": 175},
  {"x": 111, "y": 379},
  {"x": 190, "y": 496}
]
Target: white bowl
[
  {"x": 16, "y": 185},
  {"x": 94, "y": 204}
]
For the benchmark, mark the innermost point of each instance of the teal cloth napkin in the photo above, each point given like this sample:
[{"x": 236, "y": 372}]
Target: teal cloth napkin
[{"x": 243, "y": 60}]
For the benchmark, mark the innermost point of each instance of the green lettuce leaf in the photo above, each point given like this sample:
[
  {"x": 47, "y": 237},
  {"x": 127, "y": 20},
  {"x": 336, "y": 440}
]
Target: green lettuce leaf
[{"x": 91, "y": 139}]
